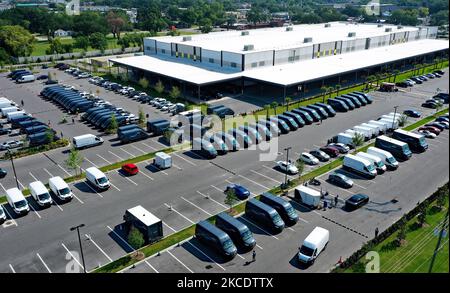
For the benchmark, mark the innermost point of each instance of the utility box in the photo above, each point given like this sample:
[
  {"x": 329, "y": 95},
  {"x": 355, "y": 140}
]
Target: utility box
[
  {"x": 162, "y": 160},
  {"x": 148, "y": 224}
]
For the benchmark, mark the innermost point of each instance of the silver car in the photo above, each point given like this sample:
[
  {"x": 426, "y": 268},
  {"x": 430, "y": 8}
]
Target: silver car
[{"x": 11, "y": 144}]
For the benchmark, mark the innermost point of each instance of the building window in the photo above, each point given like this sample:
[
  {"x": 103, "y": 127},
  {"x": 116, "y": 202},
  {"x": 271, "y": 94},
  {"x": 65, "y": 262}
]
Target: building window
[
  {"x": 163, "y": 51},
  {"x": 254, "y": 64},
  {"x": 233, "y": 64},
  {"x": 262, "y": 63},
  {"x": 211, "y": 60}
]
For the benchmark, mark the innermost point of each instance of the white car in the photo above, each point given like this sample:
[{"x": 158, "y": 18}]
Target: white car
[
  {"x": 427, "y": 133},
  {"x": 309, "y": 159},
  {"x": 11, "y": 144},
  {"x": 167, "y": 106},
  {"x": 287, "y": 167}
]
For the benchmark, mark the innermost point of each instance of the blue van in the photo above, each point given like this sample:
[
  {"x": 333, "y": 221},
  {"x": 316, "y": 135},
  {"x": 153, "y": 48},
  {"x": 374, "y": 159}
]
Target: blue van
[
  {"x": 338, "y": 105},
  {"x": 305, "y": 116},
  {"x": 348, "y": 102},
  {"x": 322, "y": 113},
  {"x": 252, "y": 133},
  {"x": 271, "y": 126},
  {"x": 241, "y": 137},
  {"x": 327, "y": 108},
  {"x": 298, "y": 119},
  {"x": 231, "y": 142},
  {"x": 354, "y": 100},
  {"x": 264, "y": 214},
  {"x": 289, "y": 121},
  {"x": 284, "y": 128},
  {"x": 215, "y": 238},
  {"x": 238, "y": 231},
  {"x": 366, "y": 96},
  {"x": 220, "y": 146},
  {"x": 203, "y": 148},
  {"x": 283, "y": 207},
  {"x": 262, "y": 130}
]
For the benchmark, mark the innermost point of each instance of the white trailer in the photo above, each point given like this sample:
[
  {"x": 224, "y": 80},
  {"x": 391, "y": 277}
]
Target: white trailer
[
  {"x": 307, "y": 196},
  {"x": 382, "y": 127},
  {"x": 353, "y": 132},
  {"x": 162, "y": 160},
  {"x": 367, "y": 131},
  {"x": 345, "y": 138},
  {"x": 390, "y": 122},
  {"x": 376, "y": 129}
]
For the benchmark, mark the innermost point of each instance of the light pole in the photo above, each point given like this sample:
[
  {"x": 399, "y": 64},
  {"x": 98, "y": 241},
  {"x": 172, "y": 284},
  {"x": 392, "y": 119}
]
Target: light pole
[
  {"x": 14, "y": 168},
  {"x": 79, "y": 240},
  {"x": 393, "y": 119},
  {"x": 287, "y": 162}
]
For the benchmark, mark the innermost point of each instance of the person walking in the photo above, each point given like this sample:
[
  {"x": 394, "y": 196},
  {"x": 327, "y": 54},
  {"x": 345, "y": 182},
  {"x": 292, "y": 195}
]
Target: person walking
[
  {"x": 22, "y": 103},
  {"x": 254, "y": 255},
  {"x": 376, "y": 232},
  {"x": 62, "y": 135},
  {"x": 73, "y": 120},
  {"x": 325, "y": 205},
  {"x": 336, "y": 200}
]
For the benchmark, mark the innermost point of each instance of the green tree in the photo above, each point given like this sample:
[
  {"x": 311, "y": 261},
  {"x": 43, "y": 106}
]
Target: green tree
[
  {"x": 402, "y": 120},
  {"x": 323, "y": 90},
  {"x": 337, "y": 87},
  {"x": 74, "y": 160},
  {"x": 300, "y": 164},
  {"x": 115, "y": 23},
  {"x": 230, "y": 198},
  {"x": 405, "y": 17},
  {"x": 422, "y": 216},
  {"x": 395, "y": 73},
  {"x": 274, "y": 107},
  {"x": 288, "y": 101},
  {"x": 143, "y": 82},
  {"x": 113, "y": 125},
  {"x": 98, "y": 41},
  {"x": 174, "y": 93},
  {"x": 136, "y": 238},
  {"x": 67, "y": 48},
  {"x": 267, "y": 108},
  {"x": 441, "y": 197},
  {"x": 358, "y": 139},
  {"x": 50, "y": 135},
  {"x": 330, "y": 91},
  {"x": 401, "y": 235},
  {"x": 369, "y": 80},
  {"x": 81, "y": 42},
  {"x": 141, "y": 117},
  {"x": 206, "y": 26},
  {"x": 159, "y": 87},
  {"x": 16, "y": 40}
]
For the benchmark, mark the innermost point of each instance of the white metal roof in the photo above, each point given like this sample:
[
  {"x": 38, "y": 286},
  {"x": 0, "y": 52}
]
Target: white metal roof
[
  {"x": 316, "y": 236},
  {"x": 279, "y": 38},
  {"x": 95, "y": 172},
  {"x": 15, "y": 194},
  {"x": 143, "y": 215},
  {"x": 58, "y": 182},
  {"x": 84, "y": 136},
  {"x": 308, "y": 190},
  {"x": 38, "y": 187},
  {"x": 286, "y": 74}
]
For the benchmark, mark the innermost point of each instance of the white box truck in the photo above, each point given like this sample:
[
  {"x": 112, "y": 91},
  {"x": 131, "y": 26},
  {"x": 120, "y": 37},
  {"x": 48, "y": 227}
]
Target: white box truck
[
  {"x": 391, "y": 124},
  {"x": 368, "y": 132},
  {"x": 353, "y": 132},
  {"x": 97, "y": 178},
  {"x": 313, "y": 245},
  {"x": 9, "y": 109},
  {"x": 162, "y": 160},
  {"x": 40, "y": 193},
  {"x": 11, "y": 115},
  {"x": 386, "y": 156},
  {"x": 376, "y": 129},
  {"x": 376, "y": 161},
  {"x": 86, "y": 140},
  {"x": 360, "y": 166},
  {"x": 60, "y": 188},
  {"x": 5, "y": 103},
  {"x": 307, "y": 196},
  {"x": 381, "y": 126},
  {"x": 345, "y": 138},
  {"x": 17, "y": 201}
]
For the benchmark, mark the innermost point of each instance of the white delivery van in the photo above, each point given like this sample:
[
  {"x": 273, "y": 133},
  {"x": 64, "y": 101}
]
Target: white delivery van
[
  {"x": 40, "y": 193},
  {"x": 4, "y": 103},
  {"x": 86, "y": 140},
  {"x": 376, "y": 161},
  {"x": 97, "y": 178},
  {"x": 353, "y": 132},
  {"x": 389, "y": 122},
  {"x": 345, "y": 138},
  {"x": 11, "y": 115},
  {"x": 162, "y": 160},
  {"x": 9, "y": 109},
  {"x": 391, "y": 116},
  {"x": 60, "y": 188},
  {"x": 367, "y": 131},
  {"x": 313, "y": 245},
  {"x": 386, "y": 156},
  {"x": 307, "y": 196},
  {"x": 17, "y": 201},
  {"x": 381, "y": 126},
  {"x": 375, "y": 129},
  {"x": 26, "y": 78},
  {"x": 360, "y": 166}
]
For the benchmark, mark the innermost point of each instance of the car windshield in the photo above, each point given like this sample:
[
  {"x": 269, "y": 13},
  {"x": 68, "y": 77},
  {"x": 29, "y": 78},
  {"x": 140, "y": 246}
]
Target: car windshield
[
  {"x": 228, "y": 245},
  {"x": 64, "y": 191},
  {"x": 247, "y": 236},
  {"x": 391, "y": 160},
  {"x": 20, "y": 204},
  {"x": 102, "y": 180},
  {"x": 44, "y": 196},
  {"x": 306, "y": 250}
]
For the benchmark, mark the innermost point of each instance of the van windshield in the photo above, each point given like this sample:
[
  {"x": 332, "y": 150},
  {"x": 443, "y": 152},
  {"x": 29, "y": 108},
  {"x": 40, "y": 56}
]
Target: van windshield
[
  {"x": 228, "y": 245},
  {"x": 370, "y": 167},
  {"x": 306, "y": 250},
  {"x": 64, "y": 191},
  {"x": 44, "y": 196},
  {"x": 422, "y": 141},
  {"x": 276, "y": 219},
  {"x": 391, "y": 160},
  {"x": 380, "y": 164},
  {"x": 247, "y": 236},
  {"x": 20, "y": 204},
  {"x": 290, "y": 211},
  {"x": 406, "y": 150},
  {"x": 102, "y": 180}
]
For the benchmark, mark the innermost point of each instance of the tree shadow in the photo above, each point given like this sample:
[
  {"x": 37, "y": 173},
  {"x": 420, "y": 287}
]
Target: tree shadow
[{"x": 392, "y": 245}]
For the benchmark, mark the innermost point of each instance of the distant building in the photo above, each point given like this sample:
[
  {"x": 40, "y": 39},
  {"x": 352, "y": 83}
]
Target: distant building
[{"x": 62, "y": 33}]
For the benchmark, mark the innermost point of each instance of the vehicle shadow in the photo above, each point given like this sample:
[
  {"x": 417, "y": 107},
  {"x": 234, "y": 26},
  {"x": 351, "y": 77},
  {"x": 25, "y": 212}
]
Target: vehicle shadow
[
  {"x": 84, "y": 187},
  {"x": 255, "y": 228},
  {"x": 202, "y": 252},
  {"x": 119, "y": 235},
  {"x": 194, "y": 156},
  {"x": 298, "y": 264},
  {"x": 299, "y": 206}
]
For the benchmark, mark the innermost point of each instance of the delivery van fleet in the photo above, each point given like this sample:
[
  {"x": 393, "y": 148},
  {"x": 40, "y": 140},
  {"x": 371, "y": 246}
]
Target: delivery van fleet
[
  {"x": 415, "y": 141},
  {"x": 386, "y": 156},
  {"x": 283, "y": 207},
  {"x": 215, "y": 238},
  {"x": 307, "y": 196},
  {"x": 313, "y": 245},
  {"x": 40, "y": 193},
  {"x": 359, "y": 165},
  {"x": 17, "y": 201},
  {"x": 305, "y": 115},
  {"x": 60, "y": 188},
  {"x": 400, "y": 150},
  {"x": 97, "y": 178},
  {"x": 86, "y": 140},
  {"x": 376, "y": 161},
  {"x": 238, "y": 231},
  {"x": 264, "y": 214}
]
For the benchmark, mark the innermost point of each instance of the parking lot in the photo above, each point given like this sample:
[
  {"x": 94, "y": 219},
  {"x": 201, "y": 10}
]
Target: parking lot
[{"x": 193, "y": 190}]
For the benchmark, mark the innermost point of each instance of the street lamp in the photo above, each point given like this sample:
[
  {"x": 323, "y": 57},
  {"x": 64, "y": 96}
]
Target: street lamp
[
  {"x": 79, "y": 240},
  {"x": 287, "y": 161},
  {"x": 10, "y": 153},
  {"x": 393, "y": 119}
]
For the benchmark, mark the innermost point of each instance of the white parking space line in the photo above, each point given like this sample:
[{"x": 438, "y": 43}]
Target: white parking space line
[
  {"x": 177, "y": 155},
  {"x": 149, "y": 146},
  {"x": 127, "y": 152},
  {"x": 48, "y": 172},
  {"x": 3, "y": 187},
  {"x": 240, "y": 256},
  {"x": 180, "y": 261},
  {"x": 10, "y": 218},
  {"x": 118, "y": 172},
  {"x": 217, "y": 188},
  {"x": 43, "y": 262},
  {"x": 169, "y": 227},
  {"x": 104, "y": 159},
  {"x": 289, "y": 228},
  {"x": 114, "y": 185},
  {"x": 138, "y": 149},
  {"x": 91, "y": 188},
  {"x": 115, "y": 155},
  {"x": 63, "y": 169},
  {"x": 209, "y": 214},
  {"x": 123, "y": 240},
  {"x": 33, "y": 176},
  {"x": 12, "y": 269},
  {"x": 206, "y": 255},
  {"x": 20, "y": 183},
  {"x": 248, "y": 179},
  {"x": 151, "y": 266},
  {"x": 37, "y": 214},
  {"x": 253, "y": 224},
  {"x": 195, "y": 155},
  {"x": 259, "y": 247},
  {"x": 209, "y": 197},
  {"x": 267, "y": 177},
  {"x": 179, "y": 213},
  {"x": 96, "y": 245},
  {"x": 73, "y": 257},
  {"x": 91, "y": 162},
  {"x": 151, "y": 165},
  {"x": 143, "y": 173},
  {"x": 77, "y": 198}
]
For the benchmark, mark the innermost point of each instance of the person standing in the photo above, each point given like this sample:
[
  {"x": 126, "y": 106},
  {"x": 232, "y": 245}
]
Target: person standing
[
  {"x": 73, "y": 120},
  {"x": 336, "y": 200},
  {"x": 254, "y": 255},
  {"x": 376, "y": 232},
  {"x": 22, "y": 103}
]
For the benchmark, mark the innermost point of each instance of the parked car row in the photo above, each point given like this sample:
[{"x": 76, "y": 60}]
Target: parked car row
[
  {"x": 349, "y": 101},
  {"x": 77, "y": 73},
  {"x": 21, "y": 76},
  {"x": 101, "y": 116},
  {"x": 436, "y": 101},
  {"x": 220, "y": 110},
  {"x": 419, "y": 79}
]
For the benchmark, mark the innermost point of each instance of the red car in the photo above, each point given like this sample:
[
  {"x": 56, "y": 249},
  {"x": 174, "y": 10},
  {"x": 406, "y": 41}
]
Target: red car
[
  {"x": 431, "y": 129},
  {"x": 330, "y": 150},
  {"x": 130, "y": 169}
]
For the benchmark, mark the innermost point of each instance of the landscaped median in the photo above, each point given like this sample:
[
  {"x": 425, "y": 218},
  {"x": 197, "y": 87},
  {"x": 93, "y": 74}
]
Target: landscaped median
[
  {"x": 173, "y": 239},
  {"x": 36, "y": 150}
]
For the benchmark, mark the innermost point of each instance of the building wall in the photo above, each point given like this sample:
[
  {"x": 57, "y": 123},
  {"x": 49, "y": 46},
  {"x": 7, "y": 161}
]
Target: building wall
[
  {"x": 258, "y": 59},
  {"x": 232, "y": 60},
  {"x": 211, "y": 57}
]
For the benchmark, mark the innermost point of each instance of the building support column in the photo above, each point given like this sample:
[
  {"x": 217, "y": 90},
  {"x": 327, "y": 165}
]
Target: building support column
[
  {"x": 284, "y": 94},
  {"x": 198, "y": 92}
]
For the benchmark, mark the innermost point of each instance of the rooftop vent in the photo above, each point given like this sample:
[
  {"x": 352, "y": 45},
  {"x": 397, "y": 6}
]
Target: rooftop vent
[
  {"x": 248, "y": 47},
  {"x": 245, "y": 33},
  {"x": 289, "y": 29},
  {"x": 187, "y": 38},
  {"x": 379, "y": 25},
  {"x": 388, "y": 29},
  {"x": 307, "y": 40},
  {"x": 327, "y": 25},
  {"x": 399, "y": 27},
  {"x": 351, "y": 34}
]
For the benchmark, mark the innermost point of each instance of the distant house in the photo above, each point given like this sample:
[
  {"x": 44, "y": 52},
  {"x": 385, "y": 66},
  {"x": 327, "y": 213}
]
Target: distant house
[{"x": 62, "y": 33}]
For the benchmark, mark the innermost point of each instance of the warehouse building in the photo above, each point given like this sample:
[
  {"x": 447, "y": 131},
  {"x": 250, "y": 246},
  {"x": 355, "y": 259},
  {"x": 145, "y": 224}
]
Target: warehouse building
[{"x": 276, "y": 62}]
